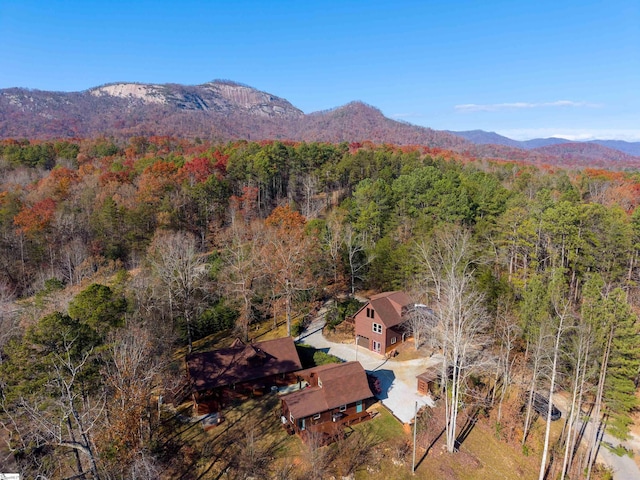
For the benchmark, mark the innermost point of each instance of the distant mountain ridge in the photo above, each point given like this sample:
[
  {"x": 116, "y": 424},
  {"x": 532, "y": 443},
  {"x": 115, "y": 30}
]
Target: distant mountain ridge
[
  {"x": 225, "y": 110},
  {"x": 481, "y": 137}
]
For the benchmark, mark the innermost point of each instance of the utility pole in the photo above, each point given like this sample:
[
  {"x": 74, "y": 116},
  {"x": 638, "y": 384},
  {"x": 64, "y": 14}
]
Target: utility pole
[{"x": 415, "y": 429}]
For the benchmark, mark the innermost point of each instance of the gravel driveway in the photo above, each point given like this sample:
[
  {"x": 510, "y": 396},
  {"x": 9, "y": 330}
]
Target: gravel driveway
[{"x": 398, "y": 379}]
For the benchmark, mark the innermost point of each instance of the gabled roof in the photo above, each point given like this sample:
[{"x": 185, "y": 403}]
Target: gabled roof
[
  {"x": 342, "y": 383},
  {"x": 389, "y": 307},
  {"x": 241, "y": 363},
  {"x": 430, "y": 374}
]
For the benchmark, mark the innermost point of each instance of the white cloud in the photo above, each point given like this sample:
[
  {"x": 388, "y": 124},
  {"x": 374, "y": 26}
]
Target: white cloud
[{"x": 492, "y": 107}]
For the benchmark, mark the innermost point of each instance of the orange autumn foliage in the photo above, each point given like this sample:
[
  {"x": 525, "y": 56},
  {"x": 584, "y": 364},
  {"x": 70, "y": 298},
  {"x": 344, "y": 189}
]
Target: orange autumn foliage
[
  {"x": 34, "y": 219},
  {"x": 286, "y": 220}
]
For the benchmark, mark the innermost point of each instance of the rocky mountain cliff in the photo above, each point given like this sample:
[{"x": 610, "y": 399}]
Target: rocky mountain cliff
[
  {"x": 219, "y": 97},
  {"x": 212, "y": 109}
]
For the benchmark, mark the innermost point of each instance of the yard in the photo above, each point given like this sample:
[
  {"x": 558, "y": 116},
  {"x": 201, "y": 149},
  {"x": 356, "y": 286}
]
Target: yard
[{"x": 251, "y": 442}]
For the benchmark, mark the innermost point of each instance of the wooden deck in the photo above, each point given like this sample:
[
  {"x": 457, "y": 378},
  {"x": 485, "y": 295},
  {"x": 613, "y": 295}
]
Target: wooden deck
[{"x": 330, "y": 431}]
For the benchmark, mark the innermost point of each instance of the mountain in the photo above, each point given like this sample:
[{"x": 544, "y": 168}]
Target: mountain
[
  {"x": 630, "y": 148},
  {"x": 480, "y": 137},
  {"x": 221, "y": 110},
  {"x": 225, "y": 110},
  {"x": 358, "y": 121},
  {"x": 591, "y": 153},
  {"x": 553, "y": 150},
  {"x": 217, "y": 109}
]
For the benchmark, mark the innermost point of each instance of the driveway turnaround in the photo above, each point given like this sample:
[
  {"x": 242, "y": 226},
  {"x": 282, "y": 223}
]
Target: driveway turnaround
[{"x": 397, "y": 379}]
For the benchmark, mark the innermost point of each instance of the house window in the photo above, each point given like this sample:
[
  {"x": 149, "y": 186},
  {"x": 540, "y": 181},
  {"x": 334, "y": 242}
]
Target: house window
[
  {"x": 293, "y": 420},
  {"x": 377, "y": 328},
  {"x": 317, "y": 416},
  {"x": 394, "y": 340},
  {"x": 319, "y": 382},
  {"x": 371, "y": 313},
  {"x": 343, "y": 408}
]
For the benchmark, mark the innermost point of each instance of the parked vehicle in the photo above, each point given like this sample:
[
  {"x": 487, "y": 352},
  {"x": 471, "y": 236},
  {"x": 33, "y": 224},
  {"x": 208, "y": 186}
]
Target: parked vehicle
[{"x": 541, "y": 406}]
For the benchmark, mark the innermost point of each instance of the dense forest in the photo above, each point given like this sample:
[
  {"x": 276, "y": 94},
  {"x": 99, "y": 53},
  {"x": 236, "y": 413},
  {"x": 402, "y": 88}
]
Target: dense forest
[{"x": 118, "y": 256}]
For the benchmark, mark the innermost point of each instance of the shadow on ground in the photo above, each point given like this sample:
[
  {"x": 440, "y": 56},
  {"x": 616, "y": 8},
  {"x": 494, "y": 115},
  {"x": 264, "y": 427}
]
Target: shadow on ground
[{"x": 386, "y": 378}]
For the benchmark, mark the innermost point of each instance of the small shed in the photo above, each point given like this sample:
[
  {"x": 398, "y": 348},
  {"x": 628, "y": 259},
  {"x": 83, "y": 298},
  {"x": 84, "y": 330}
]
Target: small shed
[{"x": 426, "y": 380}]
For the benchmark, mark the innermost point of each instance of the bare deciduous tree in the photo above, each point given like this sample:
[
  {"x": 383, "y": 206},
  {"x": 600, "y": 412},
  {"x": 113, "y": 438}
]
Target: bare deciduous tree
[
  {"x": 181, "y": 269},
  {"x": 448, "y": 260},
  {"x": 507, "y": 332},
  {"x": 8, "y": 315},
  {"x": 357, "y": 254},
  {"x": 561, "y": 307},
  {"x": 421, "y": 321},
  {"x": 66, "y": 418},
  {"x": 287, "y": 256},
  {"x": 332, "y": 242},
  {"x": 243, "y": 267},
  {"x": 130, "y": 373},
  {"x": 72, "y": 256},
  {"x": 310, "y": 206}
]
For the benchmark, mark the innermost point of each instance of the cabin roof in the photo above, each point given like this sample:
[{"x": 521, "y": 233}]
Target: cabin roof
[{"x": 241, "y": 363}]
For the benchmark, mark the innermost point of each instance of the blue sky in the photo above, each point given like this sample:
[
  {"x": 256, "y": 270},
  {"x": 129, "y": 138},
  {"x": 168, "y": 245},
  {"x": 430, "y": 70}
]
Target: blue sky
[{"x": 524, "y": 69}]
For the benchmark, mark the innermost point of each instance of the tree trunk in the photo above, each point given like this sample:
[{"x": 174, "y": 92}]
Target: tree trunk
[
  {"x": 574, "y": 414},
  {"x": 593, "y": 439},
  {"x": 532, "y": 385},
  {"x": 556, "y": 351}
]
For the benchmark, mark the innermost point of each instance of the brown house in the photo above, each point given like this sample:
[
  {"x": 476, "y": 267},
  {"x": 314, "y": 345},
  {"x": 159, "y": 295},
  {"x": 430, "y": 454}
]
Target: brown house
[
  {"x": 337, "y": 394},
  {"x": 239, "y": 371},
  {"x": 378, "y": 324}
]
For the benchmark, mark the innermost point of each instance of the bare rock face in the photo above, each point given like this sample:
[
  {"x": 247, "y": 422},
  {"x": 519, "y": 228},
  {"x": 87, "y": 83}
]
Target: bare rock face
[
  {"x": 250, "y": 100},
  {"x": 146, "y": 93},
  {"x": 218, "y": 97}
]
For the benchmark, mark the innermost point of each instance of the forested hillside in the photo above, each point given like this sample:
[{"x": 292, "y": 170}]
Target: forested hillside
[
  {"x": 118, "y": 255},
  {"x": 222, "y": 111}
]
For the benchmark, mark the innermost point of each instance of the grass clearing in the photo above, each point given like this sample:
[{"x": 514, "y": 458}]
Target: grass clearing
[
  {"x": 384, "y": 425},
  {"x": 482, "y": 456},
  {"x": 252, "y": 442}
]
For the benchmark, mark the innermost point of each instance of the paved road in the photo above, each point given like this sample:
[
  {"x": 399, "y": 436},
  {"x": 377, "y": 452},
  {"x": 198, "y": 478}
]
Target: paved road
[
  {"x": 624, "y": 468},
  {"x": 398, "y": 379}
]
